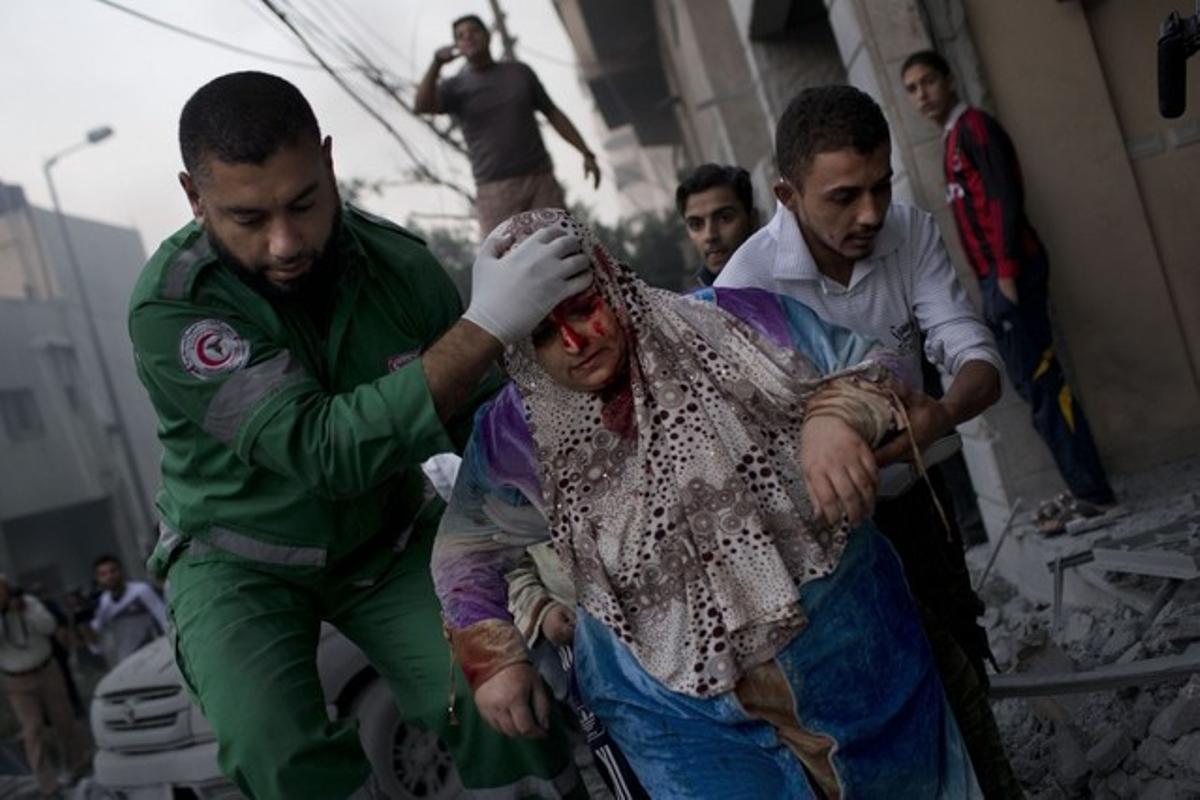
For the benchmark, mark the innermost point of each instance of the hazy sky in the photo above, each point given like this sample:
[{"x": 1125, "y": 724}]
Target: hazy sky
[{"x": 71, "y": 65}]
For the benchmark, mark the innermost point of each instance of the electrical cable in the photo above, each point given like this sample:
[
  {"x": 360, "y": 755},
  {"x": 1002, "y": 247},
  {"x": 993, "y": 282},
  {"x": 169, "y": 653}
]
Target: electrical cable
[
  {"x": 419, "y": 166},
  {"x": 207, "y": 39}
]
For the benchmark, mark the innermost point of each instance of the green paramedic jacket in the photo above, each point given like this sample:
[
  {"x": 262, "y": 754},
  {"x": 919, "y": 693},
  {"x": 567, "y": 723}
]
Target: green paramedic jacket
[{"x": 282, "y": 447}]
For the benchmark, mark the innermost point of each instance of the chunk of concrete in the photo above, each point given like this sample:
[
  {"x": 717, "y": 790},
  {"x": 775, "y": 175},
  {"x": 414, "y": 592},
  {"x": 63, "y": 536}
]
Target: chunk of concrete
[
  {"x": 1120, "y": 641},
  {"x": 1071, "y": 766},
  {"x": 1079, "y": 627},
  {"x": 1180, "y": 717},
  {"x": 1143, "y": 713},
  {"x": 1152, "y": 754},
  {"x": 1106, "y": 754},
  {"x": 1159, "y": 789},
  {"x": 1185, "y": 753},
  {"x": 1120, "y": 784}
]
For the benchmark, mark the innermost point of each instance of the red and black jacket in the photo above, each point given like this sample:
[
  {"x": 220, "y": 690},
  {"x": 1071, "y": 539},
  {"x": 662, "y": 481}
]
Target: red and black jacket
[{"x": 986, "y": 193}]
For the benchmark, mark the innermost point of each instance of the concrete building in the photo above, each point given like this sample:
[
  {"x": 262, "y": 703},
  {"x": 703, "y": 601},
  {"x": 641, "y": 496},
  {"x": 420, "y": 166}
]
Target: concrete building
[
  {"x": 1112, "y": 188},
  {"x": 65, "y": 494}
]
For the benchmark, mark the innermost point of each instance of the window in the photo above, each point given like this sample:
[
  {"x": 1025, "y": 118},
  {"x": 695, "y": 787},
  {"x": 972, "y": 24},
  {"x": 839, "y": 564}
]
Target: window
[
  {"x": 66, "y": 369},
  {"x": 22, "y": 420}
]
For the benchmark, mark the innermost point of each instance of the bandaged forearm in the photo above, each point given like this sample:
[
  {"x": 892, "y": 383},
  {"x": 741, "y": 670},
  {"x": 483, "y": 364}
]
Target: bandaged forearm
[
  {"x": 869, "y": 407},
  {"x": 485, "y": 648}
]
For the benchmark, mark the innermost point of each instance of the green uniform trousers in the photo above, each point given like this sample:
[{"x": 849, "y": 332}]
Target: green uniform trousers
[{"x": 246, "y": 645}]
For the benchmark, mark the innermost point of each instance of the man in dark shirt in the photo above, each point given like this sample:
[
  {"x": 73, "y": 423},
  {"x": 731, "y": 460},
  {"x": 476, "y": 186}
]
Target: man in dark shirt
[
  {"x": 494, "y": 102},
  {"x": 986, "y": 193},
  {"x": 717, "y": 206}
]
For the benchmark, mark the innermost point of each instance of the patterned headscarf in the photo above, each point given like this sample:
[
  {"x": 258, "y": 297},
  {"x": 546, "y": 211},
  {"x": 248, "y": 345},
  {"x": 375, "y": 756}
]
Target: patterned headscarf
[{"x": 689, "y": 534}]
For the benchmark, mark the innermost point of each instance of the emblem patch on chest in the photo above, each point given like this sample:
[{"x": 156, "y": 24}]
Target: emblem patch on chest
[
  {"x": 905, "y": 335},
  {"x": 397, "y": 361},
  {"x": 211, "y": 347}
]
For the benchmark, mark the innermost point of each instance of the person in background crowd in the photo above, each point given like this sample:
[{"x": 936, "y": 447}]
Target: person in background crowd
[
  {"x": 35, "y": 687},
  {"x": 985, "y": 191},
  {"x": 63, "y": 638},
  {"x": 716, "y": 204},
  {"x": 129, "y": 615},
  {"x": 494, "y": 103}
]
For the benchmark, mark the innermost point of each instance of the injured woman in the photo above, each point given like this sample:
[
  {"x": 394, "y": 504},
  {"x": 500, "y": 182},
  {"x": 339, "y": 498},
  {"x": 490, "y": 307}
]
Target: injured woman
[{"x": 703, "y": 466}]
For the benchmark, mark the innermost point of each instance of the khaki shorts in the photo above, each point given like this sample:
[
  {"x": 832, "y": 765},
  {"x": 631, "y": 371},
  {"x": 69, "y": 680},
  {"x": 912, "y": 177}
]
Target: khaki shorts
[{"x": 496, "y": 201}]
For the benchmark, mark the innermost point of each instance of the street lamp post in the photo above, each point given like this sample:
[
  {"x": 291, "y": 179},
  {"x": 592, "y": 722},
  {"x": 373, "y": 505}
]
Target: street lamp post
[{"x": 95, "y": 136}]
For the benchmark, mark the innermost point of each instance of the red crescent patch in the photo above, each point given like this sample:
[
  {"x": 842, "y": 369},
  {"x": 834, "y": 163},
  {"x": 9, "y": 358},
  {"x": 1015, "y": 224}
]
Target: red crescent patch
[{"x": 211, "y": 347}]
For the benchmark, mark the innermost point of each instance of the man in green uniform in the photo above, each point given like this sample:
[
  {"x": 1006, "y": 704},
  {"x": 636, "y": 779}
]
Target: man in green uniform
[{"x": 304, "y": 358}]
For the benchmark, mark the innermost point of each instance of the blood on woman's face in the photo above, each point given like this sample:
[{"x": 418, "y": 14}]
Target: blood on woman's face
[{"x": 581, "y": 344}]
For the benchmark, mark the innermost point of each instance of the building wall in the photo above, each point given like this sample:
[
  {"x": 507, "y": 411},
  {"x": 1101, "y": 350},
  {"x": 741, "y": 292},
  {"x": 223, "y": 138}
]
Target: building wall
[
  {"x": 785, "y": 59},
  {"x": 63, "y": 462},
  {"x": 55, "y": 463},
  {"x": 24, "y": 273},
  {"x": 111, "y": 259},
  {"x": 1073, "y": 83}
]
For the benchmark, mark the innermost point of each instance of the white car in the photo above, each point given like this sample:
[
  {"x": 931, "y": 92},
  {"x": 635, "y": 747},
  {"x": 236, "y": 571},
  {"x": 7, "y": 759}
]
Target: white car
[{"x": 152, "y": 742}]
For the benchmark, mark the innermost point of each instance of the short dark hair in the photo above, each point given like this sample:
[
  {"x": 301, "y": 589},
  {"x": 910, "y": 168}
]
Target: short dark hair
[
  {"x": 926, "y": 58},
  {"x": 709, "y": 176},
  {"x": 243, "y": 118},
  {"x": 107, "y": 558},
  {"x": 823, "y": 119},
  {"x": 468, "y": 18}
]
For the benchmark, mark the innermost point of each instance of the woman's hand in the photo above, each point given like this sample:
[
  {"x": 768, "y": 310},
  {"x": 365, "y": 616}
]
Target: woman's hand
[
  {"x": 514, "y": 702},
  {"x": 559, "y": 625},
  {"x": 839, "y": 470}
]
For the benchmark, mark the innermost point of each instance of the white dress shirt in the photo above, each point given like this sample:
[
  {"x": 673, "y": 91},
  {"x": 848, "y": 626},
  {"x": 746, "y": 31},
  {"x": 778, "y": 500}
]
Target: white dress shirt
[{"x": 905, "y": 287}]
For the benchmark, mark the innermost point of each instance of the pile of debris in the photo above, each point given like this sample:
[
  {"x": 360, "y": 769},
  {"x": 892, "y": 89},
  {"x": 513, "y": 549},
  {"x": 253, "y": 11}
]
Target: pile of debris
[{"x": 1104, "y": 702}]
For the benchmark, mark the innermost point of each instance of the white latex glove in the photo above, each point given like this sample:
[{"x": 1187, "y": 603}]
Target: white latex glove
[{"x": 510, "y": 295}]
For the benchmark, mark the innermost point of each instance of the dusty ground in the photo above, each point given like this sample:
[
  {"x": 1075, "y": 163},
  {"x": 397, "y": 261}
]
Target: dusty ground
[{"x": 1140, "y": 741}]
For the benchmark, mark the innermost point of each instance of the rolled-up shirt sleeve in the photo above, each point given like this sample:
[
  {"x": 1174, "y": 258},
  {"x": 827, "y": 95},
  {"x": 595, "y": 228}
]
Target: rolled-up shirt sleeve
[{"x": 954, "y": 331}]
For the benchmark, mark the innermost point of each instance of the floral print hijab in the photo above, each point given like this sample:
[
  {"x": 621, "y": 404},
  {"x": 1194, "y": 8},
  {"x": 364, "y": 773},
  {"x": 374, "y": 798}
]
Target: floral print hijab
[{"x": 688, "y": 530}]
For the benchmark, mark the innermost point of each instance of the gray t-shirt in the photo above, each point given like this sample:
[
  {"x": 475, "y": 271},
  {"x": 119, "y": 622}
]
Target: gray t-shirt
[{"x": 495, "y": 108}]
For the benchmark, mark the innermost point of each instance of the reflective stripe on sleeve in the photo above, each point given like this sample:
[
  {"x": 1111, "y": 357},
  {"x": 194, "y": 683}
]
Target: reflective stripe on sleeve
[
  {"x": 248, "y": 547},
  {"x": 176, "y": 281},
  {"x": 244, "y": 390},
  {"x": 168, "y": 539}
]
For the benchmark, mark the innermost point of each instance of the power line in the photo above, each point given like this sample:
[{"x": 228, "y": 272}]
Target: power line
[
  {"x": 562, "y": 62},
  {"x": 419, "y": 166},
  {"x": 378, "y": 78},
  {"x": 207, "y": 39},
  {"x": 355, "y": 25},
  {"x": 317, "y": 31}
]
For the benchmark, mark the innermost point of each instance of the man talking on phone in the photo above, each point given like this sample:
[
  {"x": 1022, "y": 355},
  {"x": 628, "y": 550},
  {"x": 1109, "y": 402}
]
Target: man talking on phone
[{"x": 494, "y": 102}]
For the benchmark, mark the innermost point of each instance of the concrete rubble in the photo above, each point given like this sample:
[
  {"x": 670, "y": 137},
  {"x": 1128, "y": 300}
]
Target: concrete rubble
[{"x": 1141, "y": 739}]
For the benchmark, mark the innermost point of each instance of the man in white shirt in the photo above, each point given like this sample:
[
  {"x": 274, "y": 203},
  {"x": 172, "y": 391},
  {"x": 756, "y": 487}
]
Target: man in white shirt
[
  {"x": 34, "y": 686},
  {"x": 838, "y": 244},
  {"x": 129, "y": 615}
]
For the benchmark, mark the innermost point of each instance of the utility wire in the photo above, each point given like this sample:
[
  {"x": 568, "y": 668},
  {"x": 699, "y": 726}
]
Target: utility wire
[
  {"x": 315, "y": 31},
  {"x": 347, "y": 12},
  {"x": 330, "y": 12},
  {"x": 207, "y": 39},
  {"x": 389, "y": 85},
  {"x": 556, "y": 60},
  {"x": 419, "y": 166}
]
